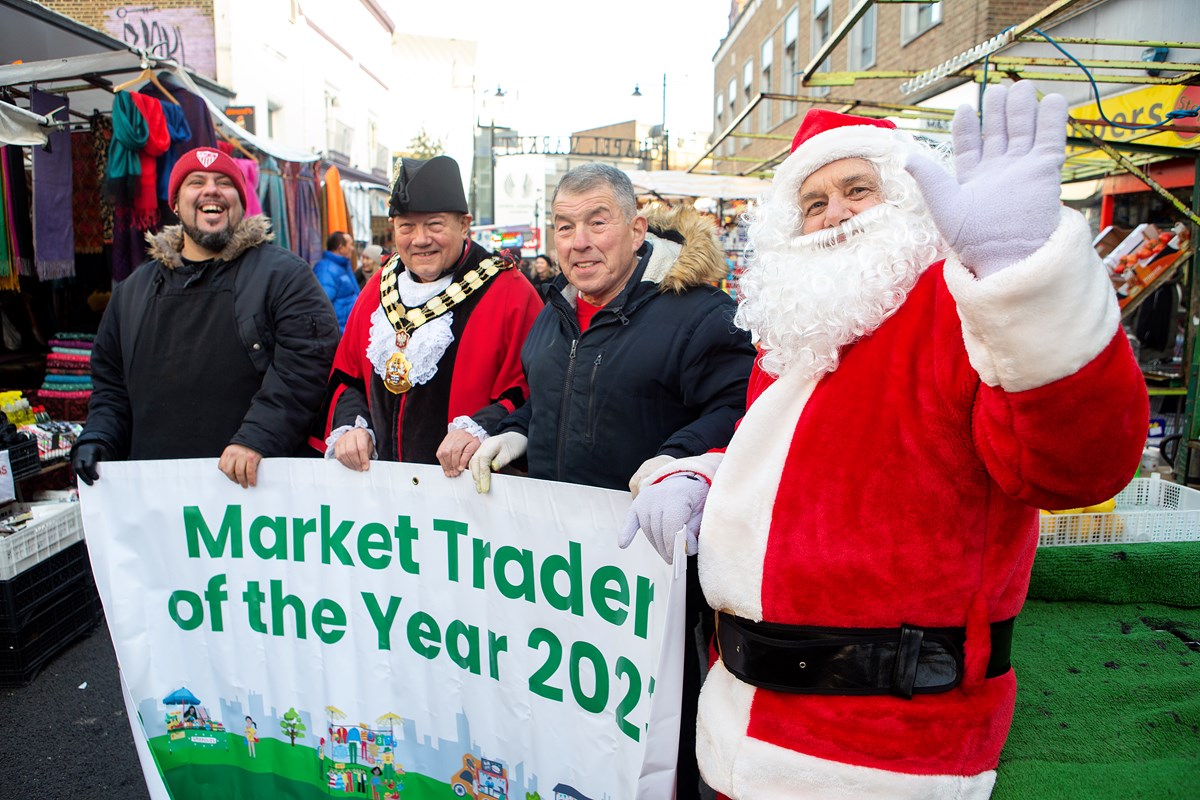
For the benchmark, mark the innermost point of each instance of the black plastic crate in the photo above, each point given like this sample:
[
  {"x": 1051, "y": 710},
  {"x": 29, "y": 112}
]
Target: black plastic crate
[
  {"x": 27, "y": 595},
  {"x": 23, "y": 458},
  {"x": 24, "y": 652}
]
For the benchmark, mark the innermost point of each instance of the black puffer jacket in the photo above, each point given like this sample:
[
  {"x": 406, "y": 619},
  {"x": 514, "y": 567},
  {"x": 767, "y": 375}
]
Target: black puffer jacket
[
  {"x": 284, "y": 322},
  {"x": 660, "y": 370}
]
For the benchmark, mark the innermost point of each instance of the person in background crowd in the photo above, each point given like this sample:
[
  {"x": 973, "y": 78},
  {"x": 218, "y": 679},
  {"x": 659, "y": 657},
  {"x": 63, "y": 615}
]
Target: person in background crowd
[
  {"x": 335, "y": 271},
  {"x": 233, "y": 336},
  {"x": 369, "y": 262},
  {"x": 633, "y": 363},
  {"x": 542, "y": 272},
  {"x": 958, "y": 334},
  {"x": 430, "y": 361}
]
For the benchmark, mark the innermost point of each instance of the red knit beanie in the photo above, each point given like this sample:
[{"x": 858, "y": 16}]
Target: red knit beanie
[{"x": 205, "y": 159}]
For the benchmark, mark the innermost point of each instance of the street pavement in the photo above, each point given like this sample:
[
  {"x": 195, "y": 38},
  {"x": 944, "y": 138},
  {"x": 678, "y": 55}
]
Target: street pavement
[{"x": 62, "y": 742}]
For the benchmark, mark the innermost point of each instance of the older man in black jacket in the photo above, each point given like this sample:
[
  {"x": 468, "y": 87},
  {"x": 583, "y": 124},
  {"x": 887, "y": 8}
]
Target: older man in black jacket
[
  {"x": 219, "y": 346},
  {"x": 633, "y": 362}
]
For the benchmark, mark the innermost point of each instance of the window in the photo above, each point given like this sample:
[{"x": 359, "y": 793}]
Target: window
[
  {"x": 747, "y": 89},
  {"x": 720, "y": 123},
  {"x": 862, "y": 42},
  {"x": 732, "y": 94},
  {"x": 916, "y": 19},
  {"x": 791, "y": 32},
  {"x": 822, "y": 29},
  {"x": 766, "y": 58}
]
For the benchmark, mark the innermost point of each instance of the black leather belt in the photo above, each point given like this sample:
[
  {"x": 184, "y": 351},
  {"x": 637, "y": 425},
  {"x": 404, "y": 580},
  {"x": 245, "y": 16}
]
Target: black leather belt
[{"x": 852, "y": 661}]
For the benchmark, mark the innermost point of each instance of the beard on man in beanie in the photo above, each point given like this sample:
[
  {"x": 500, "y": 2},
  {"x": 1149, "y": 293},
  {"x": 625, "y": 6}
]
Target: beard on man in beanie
[
  {"x": 217, "y": 347},
  {"x": 941, "y": 357}
]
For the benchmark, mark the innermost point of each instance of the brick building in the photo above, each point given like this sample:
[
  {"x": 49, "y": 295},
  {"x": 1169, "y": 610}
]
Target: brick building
[{"x": 770, "y": 41}]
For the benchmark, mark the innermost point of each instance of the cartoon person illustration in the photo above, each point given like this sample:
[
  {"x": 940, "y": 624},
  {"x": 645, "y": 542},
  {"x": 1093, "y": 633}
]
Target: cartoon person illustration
[
  {"x": 376, "y": 783},
  {"x": 190, "y": 715},
  {"x": 251, "y": 735}
]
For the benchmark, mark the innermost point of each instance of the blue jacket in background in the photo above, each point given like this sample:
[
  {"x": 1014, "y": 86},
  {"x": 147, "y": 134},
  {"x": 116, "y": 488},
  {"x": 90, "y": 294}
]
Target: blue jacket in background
[{"x": 337, "y": 279}]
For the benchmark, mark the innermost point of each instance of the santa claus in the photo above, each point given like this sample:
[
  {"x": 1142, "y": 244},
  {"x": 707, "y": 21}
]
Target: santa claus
[{"x": 941, "y": 356}]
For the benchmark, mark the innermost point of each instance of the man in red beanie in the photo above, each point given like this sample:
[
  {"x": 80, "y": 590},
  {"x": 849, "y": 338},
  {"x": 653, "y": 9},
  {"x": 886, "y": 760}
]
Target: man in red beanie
[
  {"x": 218, "y": 346},
  {"x": 941, "y": 356}
]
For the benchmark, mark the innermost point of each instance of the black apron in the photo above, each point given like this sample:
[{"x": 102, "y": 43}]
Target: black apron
[{"x": 190, "y": 380}]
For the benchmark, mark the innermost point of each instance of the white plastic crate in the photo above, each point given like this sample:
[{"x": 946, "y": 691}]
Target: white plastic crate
[
  {"x": 1148, "y": 510},
  {"x": 54, "y": 527}
]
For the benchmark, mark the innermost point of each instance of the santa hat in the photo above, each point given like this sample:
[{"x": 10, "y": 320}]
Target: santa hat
[
  {"x": 827, "y": 136},
  {"x": 205, "y": 159}
]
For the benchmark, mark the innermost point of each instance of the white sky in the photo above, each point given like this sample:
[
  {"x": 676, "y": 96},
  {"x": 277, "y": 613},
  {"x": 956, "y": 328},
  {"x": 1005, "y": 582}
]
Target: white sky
[{"x": 571, "y": 64}]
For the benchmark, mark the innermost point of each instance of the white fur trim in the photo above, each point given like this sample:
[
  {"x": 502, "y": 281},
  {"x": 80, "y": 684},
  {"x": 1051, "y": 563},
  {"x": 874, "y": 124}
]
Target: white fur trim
[
  {"x": 663, "y": 255},
  {"x": 1041, "y": 319},
  {"x": 338, "y": 433},
  {"x": 749, "y": 769},
  {"x": 704, "y": 464},
  {"x": 737, "y": 516},
  {"x": 848, "y": 141},
  {"x": 469, "y": 425}
]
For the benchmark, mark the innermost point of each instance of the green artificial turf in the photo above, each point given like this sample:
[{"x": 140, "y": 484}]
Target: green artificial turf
[{"x": 1108, "y": 675}]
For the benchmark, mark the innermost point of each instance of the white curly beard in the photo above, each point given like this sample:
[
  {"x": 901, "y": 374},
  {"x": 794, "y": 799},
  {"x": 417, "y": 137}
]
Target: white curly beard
[{"x": 807, "y": 297}]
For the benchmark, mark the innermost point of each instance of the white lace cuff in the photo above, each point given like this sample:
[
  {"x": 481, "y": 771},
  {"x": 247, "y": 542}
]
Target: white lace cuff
[
  {"x": 469, "y": 425},
  {"x": 338, "y": 433}
]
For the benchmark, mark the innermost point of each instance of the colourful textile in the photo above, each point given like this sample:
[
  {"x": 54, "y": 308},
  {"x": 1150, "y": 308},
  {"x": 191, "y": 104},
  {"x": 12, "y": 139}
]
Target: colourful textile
[
  {"x": 272, "y": 201},
  {"x": 16, "y": 206},
  {"x": 85, "y": 194},
  {"x": 181, "y": 134},
  {"x": 145, "y": 202},
  {"x": 53, "y": 227},
  {"x": 7, "y": 273},
  {"x": 124, "y": 167},
  {"x": 336, "y": 218},
  {"x": 308, "y": 217},
  {"x": 102, "y": 134},
  {"x": 249, "y": 170}
]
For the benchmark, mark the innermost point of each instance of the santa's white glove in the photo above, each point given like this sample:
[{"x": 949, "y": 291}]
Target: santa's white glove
[
  {"x": 648, "y": 468},
  {"x": 662, "y": 510},
  {"x": 496, "y": 453},
  {"x": 1004, "y": 202}
]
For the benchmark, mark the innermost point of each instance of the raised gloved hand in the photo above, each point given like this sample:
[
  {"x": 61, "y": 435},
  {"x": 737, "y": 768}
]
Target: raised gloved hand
[
  {"x": 648, "y": 468},
  {"x": 661, "y": 510},
  {"x": 495, "y": 453},
  {"x": 85, "y": 458},
  {"x": 1004, "y": 202}
]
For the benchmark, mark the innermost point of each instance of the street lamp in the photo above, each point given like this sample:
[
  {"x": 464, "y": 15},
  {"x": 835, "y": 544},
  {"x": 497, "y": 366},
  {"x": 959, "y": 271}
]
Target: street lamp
[{"x": 662, "y": 129}]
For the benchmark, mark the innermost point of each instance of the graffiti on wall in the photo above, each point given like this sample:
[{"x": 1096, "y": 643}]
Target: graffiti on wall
[{"x": 182, "y": 34}]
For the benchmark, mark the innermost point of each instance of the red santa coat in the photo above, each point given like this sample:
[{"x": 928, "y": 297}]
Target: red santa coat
[{"x": 904, "y": 488}]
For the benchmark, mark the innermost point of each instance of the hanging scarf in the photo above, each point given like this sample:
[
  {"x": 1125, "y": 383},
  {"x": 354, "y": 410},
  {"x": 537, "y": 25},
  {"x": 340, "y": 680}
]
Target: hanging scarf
[
  {"x": 16, "y": 205},
  {"x": 271, "y": 197},
  {"x": 180, "y": 133},
  {"x": 335, "y": 203},
  {"x": 8, "y": 275},
  {"x": 308, "y": 217},
  {"x": 130, "y": 132},
  {"x": 85, "y": 195},
  {"x": 145, "y": 202},
  {"x": 53, "y": 229},
  {"x": 102, "y": 134},
  {"x": 249, "y": 169}
]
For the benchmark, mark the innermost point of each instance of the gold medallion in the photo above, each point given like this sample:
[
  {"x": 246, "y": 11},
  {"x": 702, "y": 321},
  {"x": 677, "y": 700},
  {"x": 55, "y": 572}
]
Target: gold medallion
[{"x": 395, "y": 374}]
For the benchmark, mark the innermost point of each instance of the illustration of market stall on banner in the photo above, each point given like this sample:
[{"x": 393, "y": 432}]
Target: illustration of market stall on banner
[{"x": 388, "y": 634}]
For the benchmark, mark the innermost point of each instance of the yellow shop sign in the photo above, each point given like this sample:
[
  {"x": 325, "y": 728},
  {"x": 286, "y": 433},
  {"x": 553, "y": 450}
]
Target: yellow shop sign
[{"x": 1147, "y": 106}]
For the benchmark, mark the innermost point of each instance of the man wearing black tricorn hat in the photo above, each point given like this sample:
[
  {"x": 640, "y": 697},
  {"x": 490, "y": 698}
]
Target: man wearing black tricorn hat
[{"x": 430, "y": 360}]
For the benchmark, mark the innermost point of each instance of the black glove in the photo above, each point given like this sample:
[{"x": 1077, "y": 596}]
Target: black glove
[{"x": 85, "y": 458}]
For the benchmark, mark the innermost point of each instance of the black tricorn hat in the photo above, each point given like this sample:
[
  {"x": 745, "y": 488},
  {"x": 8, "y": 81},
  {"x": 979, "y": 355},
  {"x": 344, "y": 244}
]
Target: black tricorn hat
[{"x": 428, "y": 186}]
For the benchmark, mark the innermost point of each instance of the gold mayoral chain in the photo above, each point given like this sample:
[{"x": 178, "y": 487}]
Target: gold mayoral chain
[{"x": 405, "y": 320}]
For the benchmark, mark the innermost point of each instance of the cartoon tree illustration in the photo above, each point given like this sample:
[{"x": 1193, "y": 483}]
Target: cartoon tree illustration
[
  {"x": 292, "y": 726},
  {"x": 532, "y": 796}
]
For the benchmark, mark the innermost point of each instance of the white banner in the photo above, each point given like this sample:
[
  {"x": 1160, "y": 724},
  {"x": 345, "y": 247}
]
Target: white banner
[{"x": 385, "y": 634}]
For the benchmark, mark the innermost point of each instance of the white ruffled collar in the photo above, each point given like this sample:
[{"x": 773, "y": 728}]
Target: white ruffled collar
[{"x": 427, "y": 344}]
